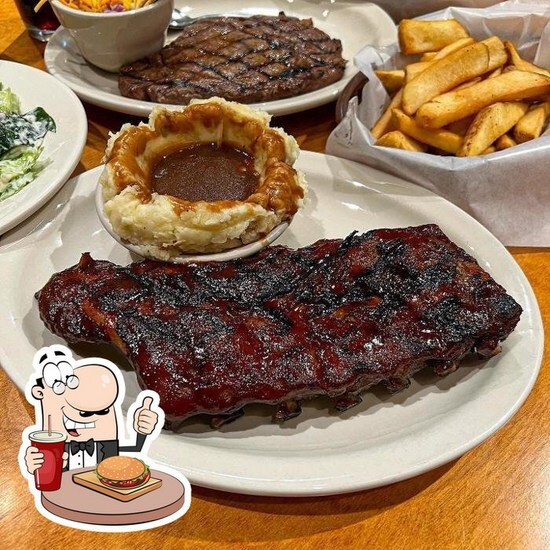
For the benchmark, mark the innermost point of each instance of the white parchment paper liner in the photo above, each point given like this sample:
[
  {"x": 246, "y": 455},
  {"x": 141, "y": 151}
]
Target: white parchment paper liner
[
  {"x": 507, "y": 191},
  {"x": 406, "y": 9}
]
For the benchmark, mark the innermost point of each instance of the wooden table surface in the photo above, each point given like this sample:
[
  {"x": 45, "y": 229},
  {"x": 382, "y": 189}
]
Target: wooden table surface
[{"x": 495, "y": 496}]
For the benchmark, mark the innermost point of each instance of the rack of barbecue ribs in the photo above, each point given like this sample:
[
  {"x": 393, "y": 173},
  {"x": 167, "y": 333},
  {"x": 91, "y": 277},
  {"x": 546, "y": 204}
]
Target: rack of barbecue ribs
[{"x": 285, "y": 325}]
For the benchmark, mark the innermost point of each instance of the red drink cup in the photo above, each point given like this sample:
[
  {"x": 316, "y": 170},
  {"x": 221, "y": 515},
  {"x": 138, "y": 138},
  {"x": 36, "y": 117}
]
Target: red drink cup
[
  {"x": 48, "y": 476},
  {"x": 42, "y": 24}
]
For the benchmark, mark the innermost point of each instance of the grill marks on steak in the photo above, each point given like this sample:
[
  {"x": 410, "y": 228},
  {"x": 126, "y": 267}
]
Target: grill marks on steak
[
  {"x": 260, "y": 58},
  {"x": 331, "y": 319}
]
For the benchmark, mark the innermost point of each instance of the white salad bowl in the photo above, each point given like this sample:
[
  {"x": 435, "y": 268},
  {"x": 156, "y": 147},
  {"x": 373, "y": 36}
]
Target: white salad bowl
[{"x": 111, "y": 39}]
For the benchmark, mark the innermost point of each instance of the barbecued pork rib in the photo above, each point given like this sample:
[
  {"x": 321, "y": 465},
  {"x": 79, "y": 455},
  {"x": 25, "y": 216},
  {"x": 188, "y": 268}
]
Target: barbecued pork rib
[
  {"x": 333, "y": 318},
  {"x": 245, "y": 59}
]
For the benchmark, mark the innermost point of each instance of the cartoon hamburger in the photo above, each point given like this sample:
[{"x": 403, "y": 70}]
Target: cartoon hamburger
[{"x": 122, "y": 472}]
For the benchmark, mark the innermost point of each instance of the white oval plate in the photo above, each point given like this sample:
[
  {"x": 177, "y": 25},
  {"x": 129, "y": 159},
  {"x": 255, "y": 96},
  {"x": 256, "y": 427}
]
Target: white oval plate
[
  {"x": 233, "y": 253},
  {"x": 385, "y": 439},
  {"x": 356, "y": 24},
  {"x": 36, "y": 88}
]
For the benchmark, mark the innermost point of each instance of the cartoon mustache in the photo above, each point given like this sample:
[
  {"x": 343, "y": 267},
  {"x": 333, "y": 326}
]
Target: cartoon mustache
[{"x": 85, "y": 414}]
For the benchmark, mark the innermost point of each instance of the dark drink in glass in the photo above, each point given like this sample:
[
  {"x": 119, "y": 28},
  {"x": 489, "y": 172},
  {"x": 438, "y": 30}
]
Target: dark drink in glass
[
  {"x": 48, "y": 476},
  {"x": 40, "y": 25}
]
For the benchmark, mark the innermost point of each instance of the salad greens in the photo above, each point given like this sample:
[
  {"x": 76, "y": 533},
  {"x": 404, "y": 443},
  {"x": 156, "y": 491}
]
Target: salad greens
[
  {"x": 9, "y": 102},
  {"x": 20, "y": 143}
]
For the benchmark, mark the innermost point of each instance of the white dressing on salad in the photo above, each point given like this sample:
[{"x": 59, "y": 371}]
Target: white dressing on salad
[{"x": 21, "y": 138}]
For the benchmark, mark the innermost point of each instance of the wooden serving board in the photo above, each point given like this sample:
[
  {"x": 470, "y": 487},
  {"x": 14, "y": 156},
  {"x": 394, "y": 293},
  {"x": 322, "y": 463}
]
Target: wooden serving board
[{"x": 90, "y": 480}]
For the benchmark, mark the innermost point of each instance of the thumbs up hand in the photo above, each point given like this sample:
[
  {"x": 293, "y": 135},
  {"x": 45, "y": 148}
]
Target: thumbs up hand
[{"x": 145, "y": 419}]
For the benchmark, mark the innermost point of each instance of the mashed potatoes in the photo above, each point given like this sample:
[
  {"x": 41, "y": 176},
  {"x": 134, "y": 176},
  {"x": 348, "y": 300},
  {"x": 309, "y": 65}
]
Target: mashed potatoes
[{"x": 165, "y": 226}]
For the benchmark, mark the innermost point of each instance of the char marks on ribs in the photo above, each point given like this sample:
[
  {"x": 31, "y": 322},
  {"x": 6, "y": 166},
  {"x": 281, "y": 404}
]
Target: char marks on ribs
[
  {"x": 333, "y": 318},
  {"x": 252, "y": 59}
]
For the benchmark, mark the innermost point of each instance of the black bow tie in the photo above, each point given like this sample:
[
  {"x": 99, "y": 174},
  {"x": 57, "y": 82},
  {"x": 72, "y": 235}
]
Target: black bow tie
[{"x": 88, "y": 446}]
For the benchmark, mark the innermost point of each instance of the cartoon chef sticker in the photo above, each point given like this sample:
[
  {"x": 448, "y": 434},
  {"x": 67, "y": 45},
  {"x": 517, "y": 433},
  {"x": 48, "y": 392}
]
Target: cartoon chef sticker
[{"x": 78, "y": 415}]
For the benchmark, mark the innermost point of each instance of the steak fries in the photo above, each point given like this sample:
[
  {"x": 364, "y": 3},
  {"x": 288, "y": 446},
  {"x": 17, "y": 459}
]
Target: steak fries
[
  {"x": 461, "y": 97},
  {"x": 510, "y": 86},
  {"x": 428, "y": 36}
]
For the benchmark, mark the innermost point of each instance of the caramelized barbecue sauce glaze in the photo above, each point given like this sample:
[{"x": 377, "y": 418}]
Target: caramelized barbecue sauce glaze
[
  {"x": 331, "y": 319},
  {"x": 205, "y": 172}
]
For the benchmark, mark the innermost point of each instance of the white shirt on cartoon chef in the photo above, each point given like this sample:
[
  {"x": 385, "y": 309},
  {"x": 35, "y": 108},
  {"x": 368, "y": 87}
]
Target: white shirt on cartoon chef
[{"x": 82, "y": 459}]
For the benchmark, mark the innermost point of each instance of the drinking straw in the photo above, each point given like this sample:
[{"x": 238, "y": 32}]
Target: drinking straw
[
  {"x": 49, "y": 425},
  {"x": 39, "y": 5}
]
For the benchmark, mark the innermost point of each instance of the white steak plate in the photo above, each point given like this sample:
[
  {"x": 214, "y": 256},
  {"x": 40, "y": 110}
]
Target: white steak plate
[
  {"x": 385, "y": 439},
  {"x": 36, "y": 88},
  {"x": 356, "y": 24}
]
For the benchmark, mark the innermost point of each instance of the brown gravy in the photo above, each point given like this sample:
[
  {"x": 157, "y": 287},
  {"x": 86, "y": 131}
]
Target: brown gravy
[{"x": 205, "y": 172}]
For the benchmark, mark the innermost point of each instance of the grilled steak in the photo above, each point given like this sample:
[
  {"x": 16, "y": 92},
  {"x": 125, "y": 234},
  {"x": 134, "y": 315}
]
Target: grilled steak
[
  {"x": 333, "y": 318},
  {"x": 251, "y": 59}
]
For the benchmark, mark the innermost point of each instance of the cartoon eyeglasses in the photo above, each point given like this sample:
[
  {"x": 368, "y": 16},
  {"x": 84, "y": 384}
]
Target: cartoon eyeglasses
[{"x": 59, "y": 377}]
